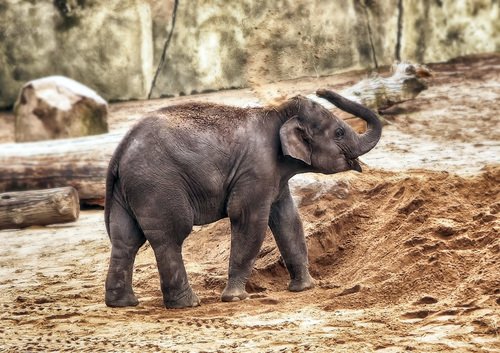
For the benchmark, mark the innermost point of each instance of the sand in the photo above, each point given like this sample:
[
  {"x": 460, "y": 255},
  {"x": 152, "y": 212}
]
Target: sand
[{"x": 406, "y": 255}]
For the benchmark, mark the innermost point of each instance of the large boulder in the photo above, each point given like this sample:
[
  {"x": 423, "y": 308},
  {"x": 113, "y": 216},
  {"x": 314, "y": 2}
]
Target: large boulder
[
  {"x": 106, "y": 45},
  {"x": 58, "y": 107}
]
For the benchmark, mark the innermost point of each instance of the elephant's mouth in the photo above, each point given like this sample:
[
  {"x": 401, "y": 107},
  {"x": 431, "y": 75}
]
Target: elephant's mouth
[{"x": 354, "y": 165}]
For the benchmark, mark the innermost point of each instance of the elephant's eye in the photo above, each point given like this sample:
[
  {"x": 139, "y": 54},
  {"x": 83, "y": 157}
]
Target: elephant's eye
[{"x": 339, "y": 132}]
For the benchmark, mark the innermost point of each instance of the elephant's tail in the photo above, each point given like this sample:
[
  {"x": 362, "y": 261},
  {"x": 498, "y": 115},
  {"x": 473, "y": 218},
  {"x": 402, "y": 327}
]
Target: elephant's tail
[{"x": 111, "y": 177}]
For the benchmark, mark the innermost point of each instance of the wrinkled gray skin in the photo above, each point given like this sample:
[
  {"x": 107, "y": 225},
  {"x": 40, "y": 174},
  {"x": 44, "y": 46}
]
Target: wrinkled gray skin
[{"x": 196, "y": 163}]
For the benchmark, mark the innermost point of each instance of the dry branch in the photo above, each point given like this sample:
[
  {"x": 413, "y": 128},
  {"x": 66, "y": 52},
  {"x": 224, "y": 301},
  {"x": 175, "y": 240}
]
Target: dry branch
[{"x": 38, "y": 207}]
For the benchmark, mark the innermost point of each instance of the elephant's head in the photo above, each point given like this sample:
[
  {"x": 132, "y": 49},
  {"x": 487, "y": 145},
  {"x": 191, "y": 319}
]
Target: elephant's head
[{"x": 323, "y": 141}]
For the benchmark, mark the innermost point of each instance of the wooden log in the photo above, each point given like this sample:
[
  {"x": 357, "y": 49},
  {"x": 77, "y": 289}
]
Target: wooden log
[
  {"x": 379, "y": 93},
  {"x": 38, "y": 207},
  {"x": 82, "y": 162}
]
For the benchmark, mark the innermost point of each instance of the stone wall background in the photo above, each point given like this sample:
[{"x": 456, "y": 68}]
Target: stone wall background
[{"x": 115, "y": 46}]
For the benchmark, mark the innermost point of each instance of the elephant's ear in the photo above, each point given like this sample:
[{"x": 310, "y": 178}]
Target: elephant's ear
[{"x": 294, "y": 141}]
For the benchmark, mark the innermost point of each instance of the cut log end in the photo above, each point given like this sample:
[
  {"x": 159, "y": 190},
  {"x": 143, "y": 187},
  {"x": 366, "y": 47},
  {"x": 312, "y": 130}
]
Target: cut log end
[{"x": 38, "y": 207}]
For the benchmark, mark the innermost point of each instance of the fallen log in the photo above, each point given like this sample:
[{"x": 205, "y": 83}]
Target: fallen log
[
  {"x": 82, "y": 162},
  {"x": 79, "y": 162},
  {"x": 38, "y": 207},
  {"x": 379, "y": 93}
]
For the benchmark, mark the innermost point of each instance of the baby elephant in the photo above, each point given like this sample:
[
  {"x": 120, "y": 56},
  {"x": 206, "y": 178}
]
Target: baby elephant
[{"x": 196, "y": 163}]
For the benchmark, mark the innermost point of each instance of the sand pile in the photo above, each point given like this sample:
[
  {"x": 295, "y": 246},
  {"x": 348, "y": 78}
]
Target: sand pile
[{"x": 387, "y": 237}]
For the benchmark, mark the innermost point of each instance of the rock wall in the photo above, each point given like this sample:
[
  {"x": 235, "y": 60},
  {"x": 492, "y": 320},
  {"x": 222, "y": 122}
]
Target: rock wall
[
  {"x": 115, "y": 46},
  {"x": 106, "y": 45},
  {"x": 216, "y": 44},
  {"x": 438, "y": 30}
]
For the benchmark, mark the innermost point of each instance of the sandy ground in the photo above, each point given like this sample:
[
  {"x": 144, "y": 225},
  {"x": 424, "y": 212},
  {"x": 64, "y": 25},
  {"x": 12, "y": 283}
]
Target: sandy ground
[{"x": 406, "y": 255}]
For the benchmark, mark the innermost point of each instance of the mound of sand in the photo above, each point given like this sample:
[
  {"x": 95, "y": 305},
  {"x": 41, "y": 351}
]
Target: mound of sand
[{"x": 393, "y": 237}]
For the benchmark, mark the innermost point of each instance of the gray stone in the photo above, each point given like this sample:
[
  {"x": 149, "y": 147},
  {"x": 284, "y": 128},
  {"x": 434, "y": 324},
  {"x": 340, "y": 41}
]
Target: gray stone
[{"x": 58, "y": 107}]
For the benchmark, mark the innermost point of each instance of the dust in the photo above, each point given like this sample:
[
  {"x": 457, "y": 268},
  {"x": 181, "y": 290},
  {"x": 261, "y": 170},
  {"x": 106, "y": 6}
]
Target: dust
[
  {"x": 204, "y": 115},
  {"x": 280, "y": 52}
]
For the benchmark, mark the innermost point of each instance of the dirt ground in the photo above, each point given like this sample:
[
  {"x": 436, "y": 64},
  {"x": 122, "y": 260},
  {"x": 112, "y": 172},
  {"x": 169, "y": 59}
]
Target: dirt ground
[{"x": 406, "y": 255}]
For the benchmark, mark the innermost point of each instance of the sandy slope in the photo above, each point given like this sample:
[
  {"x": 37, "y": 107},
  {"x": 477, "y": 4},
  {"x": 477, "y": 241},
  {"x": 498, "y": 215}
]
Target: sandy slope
[{"x": 406, "y": 255}]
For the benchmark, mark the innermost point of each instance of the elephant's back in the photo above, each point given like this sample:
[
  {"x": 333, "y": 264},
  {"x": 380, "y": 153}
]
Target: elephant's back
[
  {"x": 177, "y": 141},
  {"x": 159, "y": 156},
  {"x": 204, "y": 116}
]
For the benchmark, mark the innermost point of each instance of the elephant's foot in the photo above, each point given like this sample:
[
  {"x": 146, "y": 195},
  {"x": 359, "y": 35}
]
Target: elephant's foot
[
  {"x": 301, "y": 284},
  {"x": 116, "y": 298},
  {"x": 187, "y": 299},
  {"x": 233, "y": 294}
]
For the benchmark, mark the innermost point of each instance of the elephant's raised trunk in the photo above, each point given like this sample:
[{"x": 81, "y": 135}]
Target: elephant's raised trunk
[{"x": 370, "y": 137}]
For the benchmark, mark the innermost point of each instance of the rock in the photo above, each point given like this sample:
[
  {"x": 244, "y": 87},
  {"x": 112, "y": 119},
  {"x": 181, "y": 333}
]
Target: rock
[
  {"x": 43, "y": 300},
  {"x": 445, "y": 228},
  {"x": 351, "y": 290},
  {"x": 58, "y": 107},
  {"x": 21, "y": 299},
  {"x": 426, "y": 299}
]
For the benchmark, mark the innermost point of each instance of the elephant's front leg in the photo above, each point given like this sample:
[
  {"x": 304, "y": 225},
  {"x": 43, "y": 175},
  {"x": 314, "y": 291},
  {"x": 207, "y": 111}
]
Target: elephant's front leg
[
  {"x": 288, "y": 232},
  {"x": 248, "y": 229}
]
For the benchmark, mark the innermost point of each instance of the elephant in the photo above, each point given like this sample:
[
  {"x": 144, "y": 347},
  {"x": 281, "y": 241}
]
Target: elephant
[{"x": 196, "y": 163}]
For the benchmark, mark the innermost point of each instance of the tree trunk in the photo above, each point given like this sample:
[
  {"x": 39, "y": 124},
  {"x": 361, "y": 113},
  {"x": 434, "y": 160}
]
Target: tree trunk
[
  {"x": 379, "y": 93},
  {"x": 82, "y": 162},
  {"x": 38, "y": 207}
]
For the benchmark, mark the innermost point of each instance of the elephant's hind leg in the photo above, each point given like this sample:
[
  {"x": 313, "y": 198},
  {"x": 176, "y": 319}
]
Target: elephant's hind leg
[
  {"x": 165, "y": 228},
  {"x": 177, "y": 293},
  {"x": 126, "y": 239}
]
